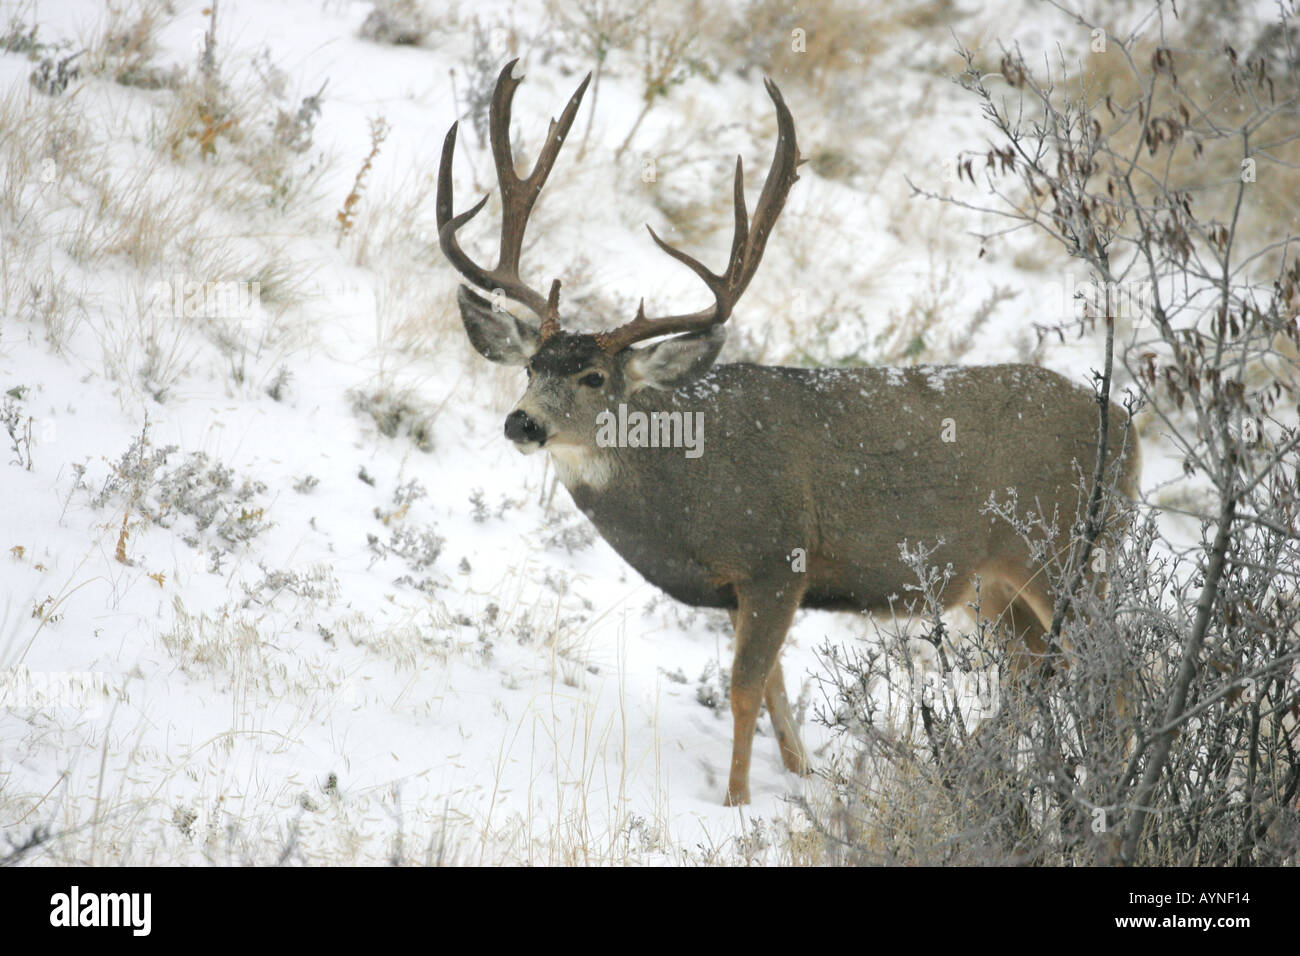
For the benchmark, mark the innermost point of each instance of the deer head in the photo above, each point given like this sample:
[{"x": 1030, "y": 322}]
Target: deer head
[{"x": 574, "y": 376}]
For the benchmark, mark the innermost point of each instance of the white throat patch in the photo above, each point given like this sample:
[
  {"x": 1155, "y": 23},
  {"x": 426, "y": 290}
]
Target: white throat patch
[{"x": 579, "y": 465}]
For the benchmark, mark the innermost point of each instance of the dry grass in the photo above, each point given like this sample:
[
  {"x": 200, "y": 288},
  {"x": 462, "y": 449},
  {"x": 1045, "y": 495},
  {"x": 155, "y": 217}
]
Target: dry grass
[
  {"x": 824, "y": 43},
  {"x": 347, "y": 214},
  {"x": 98, "y": 190}
]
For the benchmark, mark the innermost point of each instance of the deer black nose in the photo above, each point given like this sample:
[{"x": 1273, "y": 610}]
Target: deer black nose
[{"x": 521, "y": 427}]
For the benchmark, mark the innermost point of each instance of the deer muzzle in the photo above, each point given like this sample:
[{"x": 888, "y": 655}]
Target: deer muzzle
[{"x": 525, "y": 431}]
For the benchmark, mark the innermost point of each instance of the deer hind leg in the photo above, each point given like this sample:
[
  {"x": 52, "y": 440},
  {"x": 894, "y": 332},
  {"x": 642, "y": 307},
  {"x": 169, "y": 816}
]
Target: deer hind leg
[
  {"x": 1029, "y": 608},
  {"x": 787, "y": 731},
  {"x": 1022, "y": 607},
  {"x": 762, "y": 618}
]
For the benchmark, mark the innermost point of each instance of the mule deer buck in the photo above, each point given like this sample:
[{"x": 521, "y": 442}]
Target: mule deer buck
[{"x": 840, "y": 464}]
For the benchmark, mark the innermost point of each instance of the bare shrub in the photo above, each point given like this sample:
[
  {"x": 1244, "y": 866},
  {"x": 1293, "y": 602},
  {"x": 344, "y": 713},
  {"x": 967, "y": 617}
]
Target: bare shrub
[
  {"x": 399, "y": 22},
  {"x": 222, "y": 508},
  {"x": 1159, "y": 724},
  {"x": 398, "y": 412}
]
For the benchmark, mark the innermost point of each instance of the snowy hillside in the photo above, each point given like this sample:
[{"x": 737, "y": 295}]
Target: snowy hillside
[{"x": 275, "y": 585}]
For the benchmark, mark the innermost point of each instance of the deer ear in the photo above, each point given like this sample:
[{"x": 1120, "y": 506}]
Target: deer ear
[
  {"x": 495, "y": 333},
  {"x": 674, "y": 362}
]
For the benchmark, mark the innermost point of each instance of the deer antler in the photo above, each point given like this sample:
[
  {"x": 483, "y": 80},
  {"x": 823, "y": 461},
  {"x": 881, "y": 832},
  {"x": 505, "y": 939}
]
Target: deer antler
[
  {"x": 747, "y": 244},
  {"x": 517, "y": 199}
]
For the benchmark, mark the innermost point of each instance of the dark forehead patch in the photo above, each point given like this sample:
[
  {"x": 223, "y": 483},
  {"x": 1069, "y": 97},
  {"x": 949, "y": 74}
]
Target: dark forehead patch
[{"x": 565, "y": 353}]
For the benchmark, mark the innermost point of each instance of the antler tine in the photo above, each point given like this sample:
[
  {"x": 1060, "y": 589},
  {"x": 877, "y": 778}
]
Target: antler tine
[
  {"x": 518, "y": 195},
  {"x": 748, "y": 241},
  {"x": 489, "y": 279},
  {"x": 551, "y": 317},
  {"x": 517, "y": 199}
]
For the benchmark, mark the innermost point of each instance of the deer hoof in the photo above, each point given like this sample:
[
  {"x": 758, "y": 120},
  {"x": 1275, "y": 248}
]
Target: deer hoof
[
  {"x": 796, "y": 762},
  {"x": 737, "y": 798}
]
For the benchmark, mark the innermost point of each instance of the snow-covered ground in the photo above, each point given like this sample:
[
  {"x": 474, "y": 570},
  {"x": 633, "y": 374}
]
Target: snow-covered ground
[{"x": 274, "y": 583}]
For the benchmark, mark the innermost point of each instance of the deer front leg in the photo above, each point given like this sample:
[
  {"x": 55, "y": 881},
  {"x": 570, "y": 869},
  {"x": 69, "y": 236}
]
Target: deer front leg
[
  {"x": 762, "y": 619},
  {"x": 778, "y": 708}
]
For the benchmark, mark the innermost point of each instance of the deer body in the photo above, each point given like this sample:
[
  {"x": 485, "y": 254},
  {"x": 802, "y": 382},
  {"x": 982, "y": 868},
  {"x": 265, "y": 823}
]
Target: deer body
[
  {"x": 843, "y": 464},
  {"x": 803, "y": 482}
]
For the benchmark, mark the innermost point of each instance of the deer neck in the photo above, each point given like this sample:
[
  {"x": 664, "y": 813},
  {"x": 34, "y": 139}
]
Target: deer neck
[
  {"x": 649, "y": 424},
  {"x": 583, "y": 469}
]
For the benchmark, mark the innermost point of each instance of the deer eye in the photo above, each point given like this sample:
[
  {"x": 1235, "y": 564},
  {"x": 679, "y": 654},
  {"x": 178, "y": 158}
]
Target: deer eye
[{"x": 592, "y": 380}]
